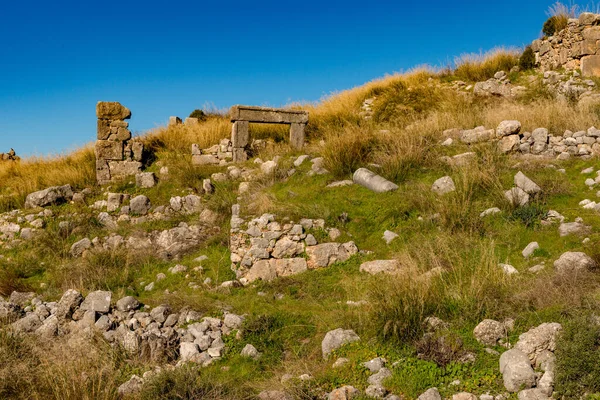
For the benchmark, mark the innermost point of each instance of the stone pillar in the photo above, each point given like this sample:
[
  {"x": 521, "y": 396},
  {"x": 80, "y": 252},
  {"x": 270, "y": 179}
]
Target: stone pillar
[
  {"x": 297, "y": 135},
  {"x": 174, "y": 121},
  {"x": 240, "y": 137},
  {"x": 117, "y": 156}
]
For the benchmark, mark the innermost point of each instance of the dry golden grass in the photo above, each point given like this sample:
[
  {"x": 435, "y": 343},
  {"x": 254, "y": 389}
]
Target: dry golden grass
[
  {"x": 59, "y": 369},
  {"x": 483, "y": 66},
  {"x": 17, "y": 179}
]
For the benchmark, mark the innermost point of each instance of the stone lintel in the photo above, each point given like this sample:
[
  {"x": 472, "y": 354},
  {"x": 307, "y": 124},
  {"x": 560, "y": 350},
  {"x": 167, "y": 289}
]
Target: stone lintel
[{"x": 268, "y": 115}]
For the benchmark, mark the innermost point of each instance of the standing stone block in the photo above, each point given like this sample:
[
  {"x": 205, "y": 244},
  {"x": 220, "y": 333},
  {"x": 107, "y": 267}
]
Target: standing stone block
[
  {"x": 112, "y": 110},
  {"x": 297, "y": 136},
  {"x": 122, "y": 169},
  {"x": 239, "y": 154},
  {"x": 190, "y": 121},
  {"x": 174, "y": 121},
  {"x": 590, "y": 66},
  {"x": 240, "y": 133},
  {"x": 103, "y": 129},
  {"x": 123, "y": 134},
  {"x": 102, "y": 172},
  {"x": 137, "y": 148},
  {"x": 109, "y": 150}
]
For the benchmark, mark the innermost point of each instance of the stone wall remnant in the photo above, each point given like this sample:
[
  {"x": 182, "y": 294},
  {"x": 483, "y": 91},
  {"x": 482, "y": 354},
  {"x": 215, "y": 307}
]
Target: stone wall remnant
[
  {"x": 242, "y": 116},
  {"x": 117, "y": 156},
  {"x": 575, "y": 47},
  {"x": 10, "y": 156}
]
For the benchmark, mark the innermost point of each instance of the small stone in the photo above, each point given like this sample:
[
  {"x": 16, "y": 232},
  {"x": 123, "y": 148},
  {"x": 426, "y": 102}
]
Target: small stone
[{"x": 530, "y": 249}]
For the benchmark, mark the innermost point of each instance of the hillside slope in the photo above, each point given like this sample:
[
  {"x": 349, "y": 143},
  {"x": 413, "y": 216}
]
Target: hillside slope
[{"x": 256, "y": 280}]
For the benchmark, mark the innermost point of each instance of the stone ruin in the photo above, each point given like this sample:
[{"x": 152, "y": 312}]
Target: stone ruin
[
  {"x": 264, "y": 249},
  {"x": 241, "y": 116},
  {"x": 10, "y": 156},
  {"x": 575, "y": 47},
  {"x": 117, "y": 156}
]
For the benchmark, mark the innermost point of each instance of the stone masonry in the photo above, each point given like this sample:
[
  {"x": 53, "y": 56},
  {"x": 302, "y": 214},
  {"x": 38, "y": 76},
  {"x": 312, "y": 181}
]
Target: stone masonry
[
  {"x": 575, "y": 47},
  {"x": 241, "y": 116},
  {"x": 117, "y": 156},
  {"x": 264, "y": 249}
]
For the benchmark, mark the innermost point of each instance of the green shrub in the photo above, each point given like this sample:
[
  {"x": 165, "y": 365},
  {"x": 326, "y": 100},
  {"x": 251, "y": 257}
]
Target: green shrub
[
  {"x": 555, "y": 24},
  {"x": 577, "y": 355},
  {"x": 529, "y": 215},
  {"x": 198, "y": 114},
  {"x": 527, "y": 59}
]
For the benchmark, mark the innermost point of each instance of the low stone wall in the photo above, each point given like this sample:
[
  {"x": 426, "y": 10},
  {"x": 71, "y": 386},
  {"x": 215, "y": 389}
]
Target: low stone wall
[
  {"x": 539, "y": 142},
  {"x": 264, "y": 249},
  {"x": 117, "y": 156},
  {"x": 575, "y": 47},
  {"x": 219, "y": 154}
]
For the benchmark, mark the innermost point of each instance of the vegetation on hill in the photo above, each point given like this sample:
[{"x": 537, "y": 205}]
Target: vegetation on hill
[{"x": 288, "y": 317}]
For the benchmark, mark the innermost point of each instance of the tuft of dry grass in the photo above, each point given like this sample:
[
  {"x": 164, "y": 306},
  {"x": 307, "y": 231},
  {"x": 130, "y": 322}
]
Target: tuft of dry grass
[
  {"x": 18, "y": 179},
  {"x": 60, "y": 369},
  {"x": 483, "y": 66},
  {"x": 468, "y": 285}
]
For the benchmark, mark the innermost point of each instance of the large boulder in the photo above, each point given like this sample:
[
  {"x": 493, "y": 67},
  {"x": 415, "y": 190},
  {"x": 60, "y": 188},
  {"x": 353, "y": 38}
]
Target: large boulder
[
  {"x": 573, "y": 262},
  {"x": 326, "y": 254},
  {"x": 372, "y": 181},
  {"x": 337, "y": 338},
  {"x": 68, "y": 303},
  {"x": 488, "y": 332},
  {"x": 516, "y": 370},
  {"x": 477, "y": 135},
  {"x": 98, "y": 301},
  {"x": 526, "y": 184},
  {"x": 507, "y": 128},
  {"x": 49, "y": 196},
  {"x": 538, "y": 340},
  {"x": 80, "y": 246},
  {"x": 140, "y": 205}
]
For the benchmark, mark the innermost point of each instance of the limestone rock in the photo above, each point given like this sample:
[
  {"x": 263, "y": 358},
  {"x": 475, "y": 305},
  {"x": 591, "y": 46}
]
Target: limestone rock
[
  {"x": 517, "y": 196},
  {"x": 80, "y": 246},
  {"x": 49, "y": 196},
  {"x": 372, "y": 181},
  {"x": 337, "y": 338},
  {"x": 430, "y": 394},
  {"x": 507, "y": 128},
  {"x": 112, "y": 110},
  {"x": 380, "y": 266},
  {"x": 140, "y": 205},
  {"x": 131, "y": 387},
  {"x": 98, "y": 301},
  {"x": 488, "y": 332},
  {"x": 573, "y": 262},
  {"x": 539, "y": 339},
  {"x": 145, "y": 180},
  {"x": 326, "y": 254},
  {"x": 516, "y": 370},
  {"x": 443, "y": 185},
  {"x": 526, "y": 184},
  {"x": 343, "y": 393}
]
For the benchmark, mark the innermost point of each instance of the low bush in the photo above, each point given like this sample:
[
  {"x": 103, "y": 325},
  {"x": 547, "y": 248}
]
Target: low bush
[
  {"x": 527, "y": 59},
  {"x": 577, "y": 355}
]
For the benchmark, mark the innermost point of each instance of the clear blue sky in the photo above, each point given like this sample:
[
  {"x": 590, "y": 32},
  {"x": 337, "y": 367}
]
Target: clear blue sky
[{"x": 58, "y": 58}]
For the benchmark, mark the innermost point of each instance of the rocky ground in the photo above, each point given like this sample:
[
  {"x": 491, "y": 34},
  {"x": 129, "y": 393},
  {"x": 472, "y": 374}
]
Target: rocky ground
[{"x": 463, "y": 272}]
